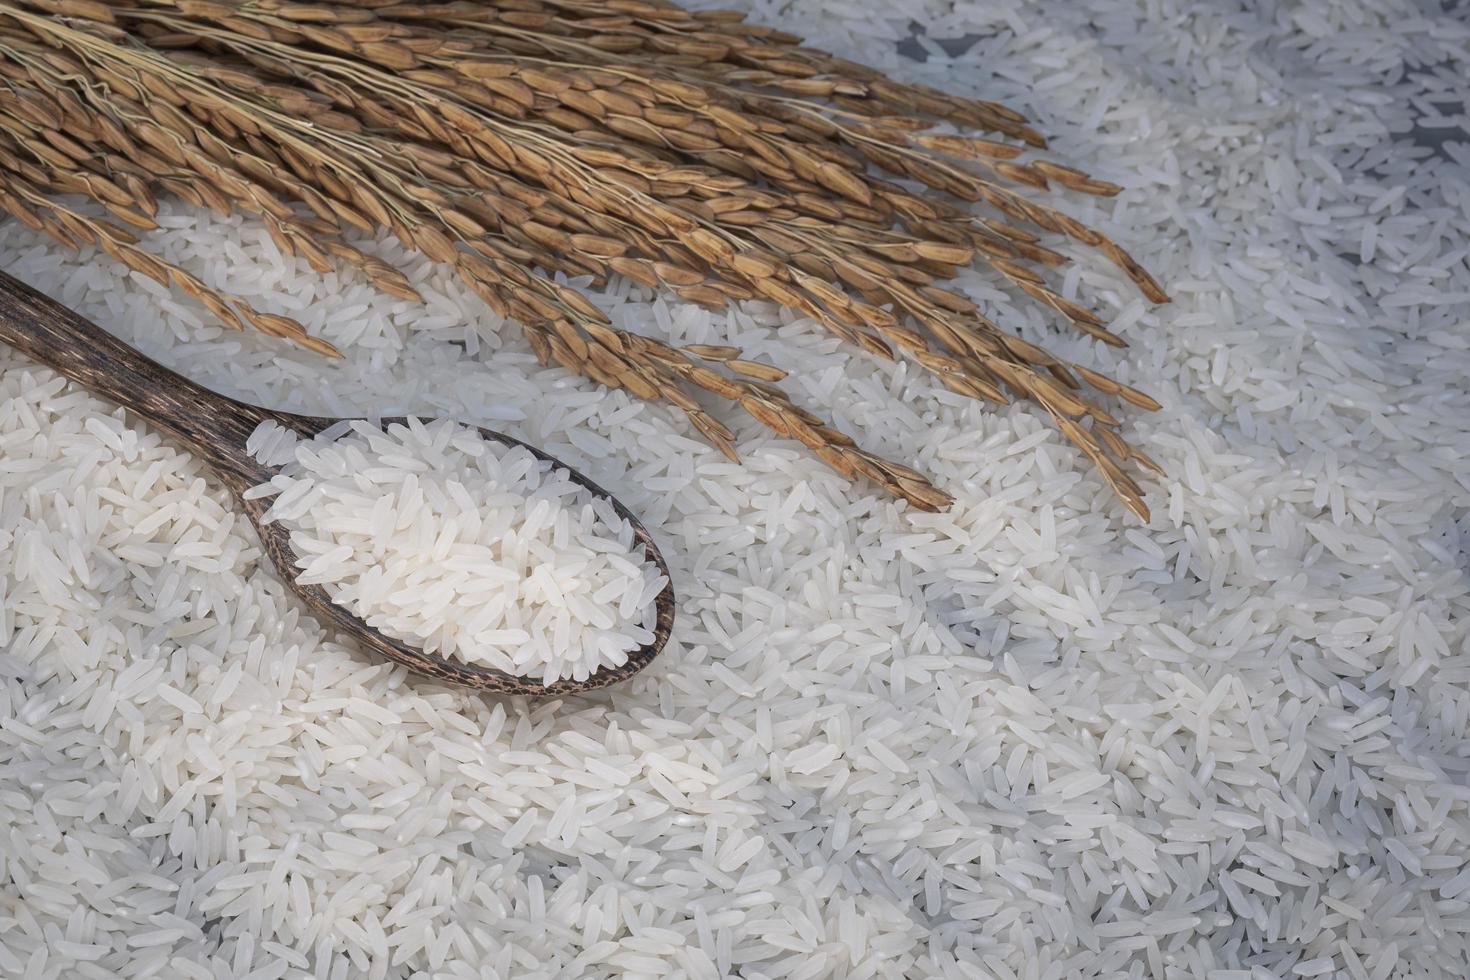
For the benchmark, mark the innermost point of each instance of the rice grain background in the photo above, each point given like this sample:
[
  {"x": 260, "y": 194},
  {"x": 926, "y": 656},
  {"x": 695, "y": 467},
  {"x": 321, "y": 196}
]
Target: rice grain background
[{"x": 1023, "y": 738}]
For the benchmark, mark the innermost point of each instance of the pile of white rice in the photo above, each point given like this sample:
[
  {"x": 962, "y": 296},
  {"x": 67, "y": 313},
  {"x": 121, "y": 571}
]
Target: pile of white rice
[
  {"x": 461, "y": 546},
  {"x": 1026, "y": 738}
]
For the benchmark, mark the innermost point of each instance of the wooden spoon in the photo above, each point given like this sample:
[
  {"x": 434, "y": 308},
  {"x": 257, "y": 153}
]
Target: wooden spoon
[{"x": 214, "y": 428}]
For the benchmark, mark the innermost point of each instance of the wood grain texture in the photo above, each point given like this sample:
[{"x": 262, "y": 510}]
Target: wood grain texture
[{"x": 214, "y": 428}]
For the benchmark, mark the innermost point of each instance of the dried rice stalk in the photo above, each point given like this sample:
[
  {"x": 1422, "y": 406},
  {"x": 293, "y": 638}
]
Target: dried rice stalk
[{"x": 686, "y": 150}]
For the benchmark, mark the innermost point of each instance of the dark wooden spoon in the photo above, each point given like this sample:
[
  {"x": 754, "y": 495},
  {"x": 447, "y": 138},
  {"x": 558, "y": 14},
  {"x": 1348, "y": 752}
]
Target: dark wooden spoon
[{"x": 214, "y": 428}]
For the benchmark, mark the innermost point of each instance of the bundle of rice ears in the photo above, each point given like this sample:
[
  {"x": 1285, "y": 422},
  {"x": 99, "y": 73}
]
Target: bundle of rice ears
[{"x": 686, "y": 150}]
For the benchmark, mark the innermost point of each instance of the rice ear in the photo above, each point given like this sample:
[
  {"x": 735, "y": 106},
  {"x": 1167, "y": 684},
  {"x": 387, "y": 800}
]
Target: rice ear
[{"x": 538, "y": 144}]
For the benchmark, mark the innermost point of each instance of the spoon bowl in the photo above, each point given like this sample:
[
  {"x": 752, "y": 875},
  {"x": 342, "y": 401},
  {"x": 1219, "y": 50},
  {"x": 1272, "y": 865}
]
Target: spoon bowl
[{"x": 214, "y": 428}]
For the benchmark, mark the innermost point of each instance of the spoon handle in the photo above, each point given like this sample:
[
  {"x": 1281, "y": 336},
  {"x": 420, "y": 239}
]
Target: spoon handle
[{"x": 212, "y": 426}]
